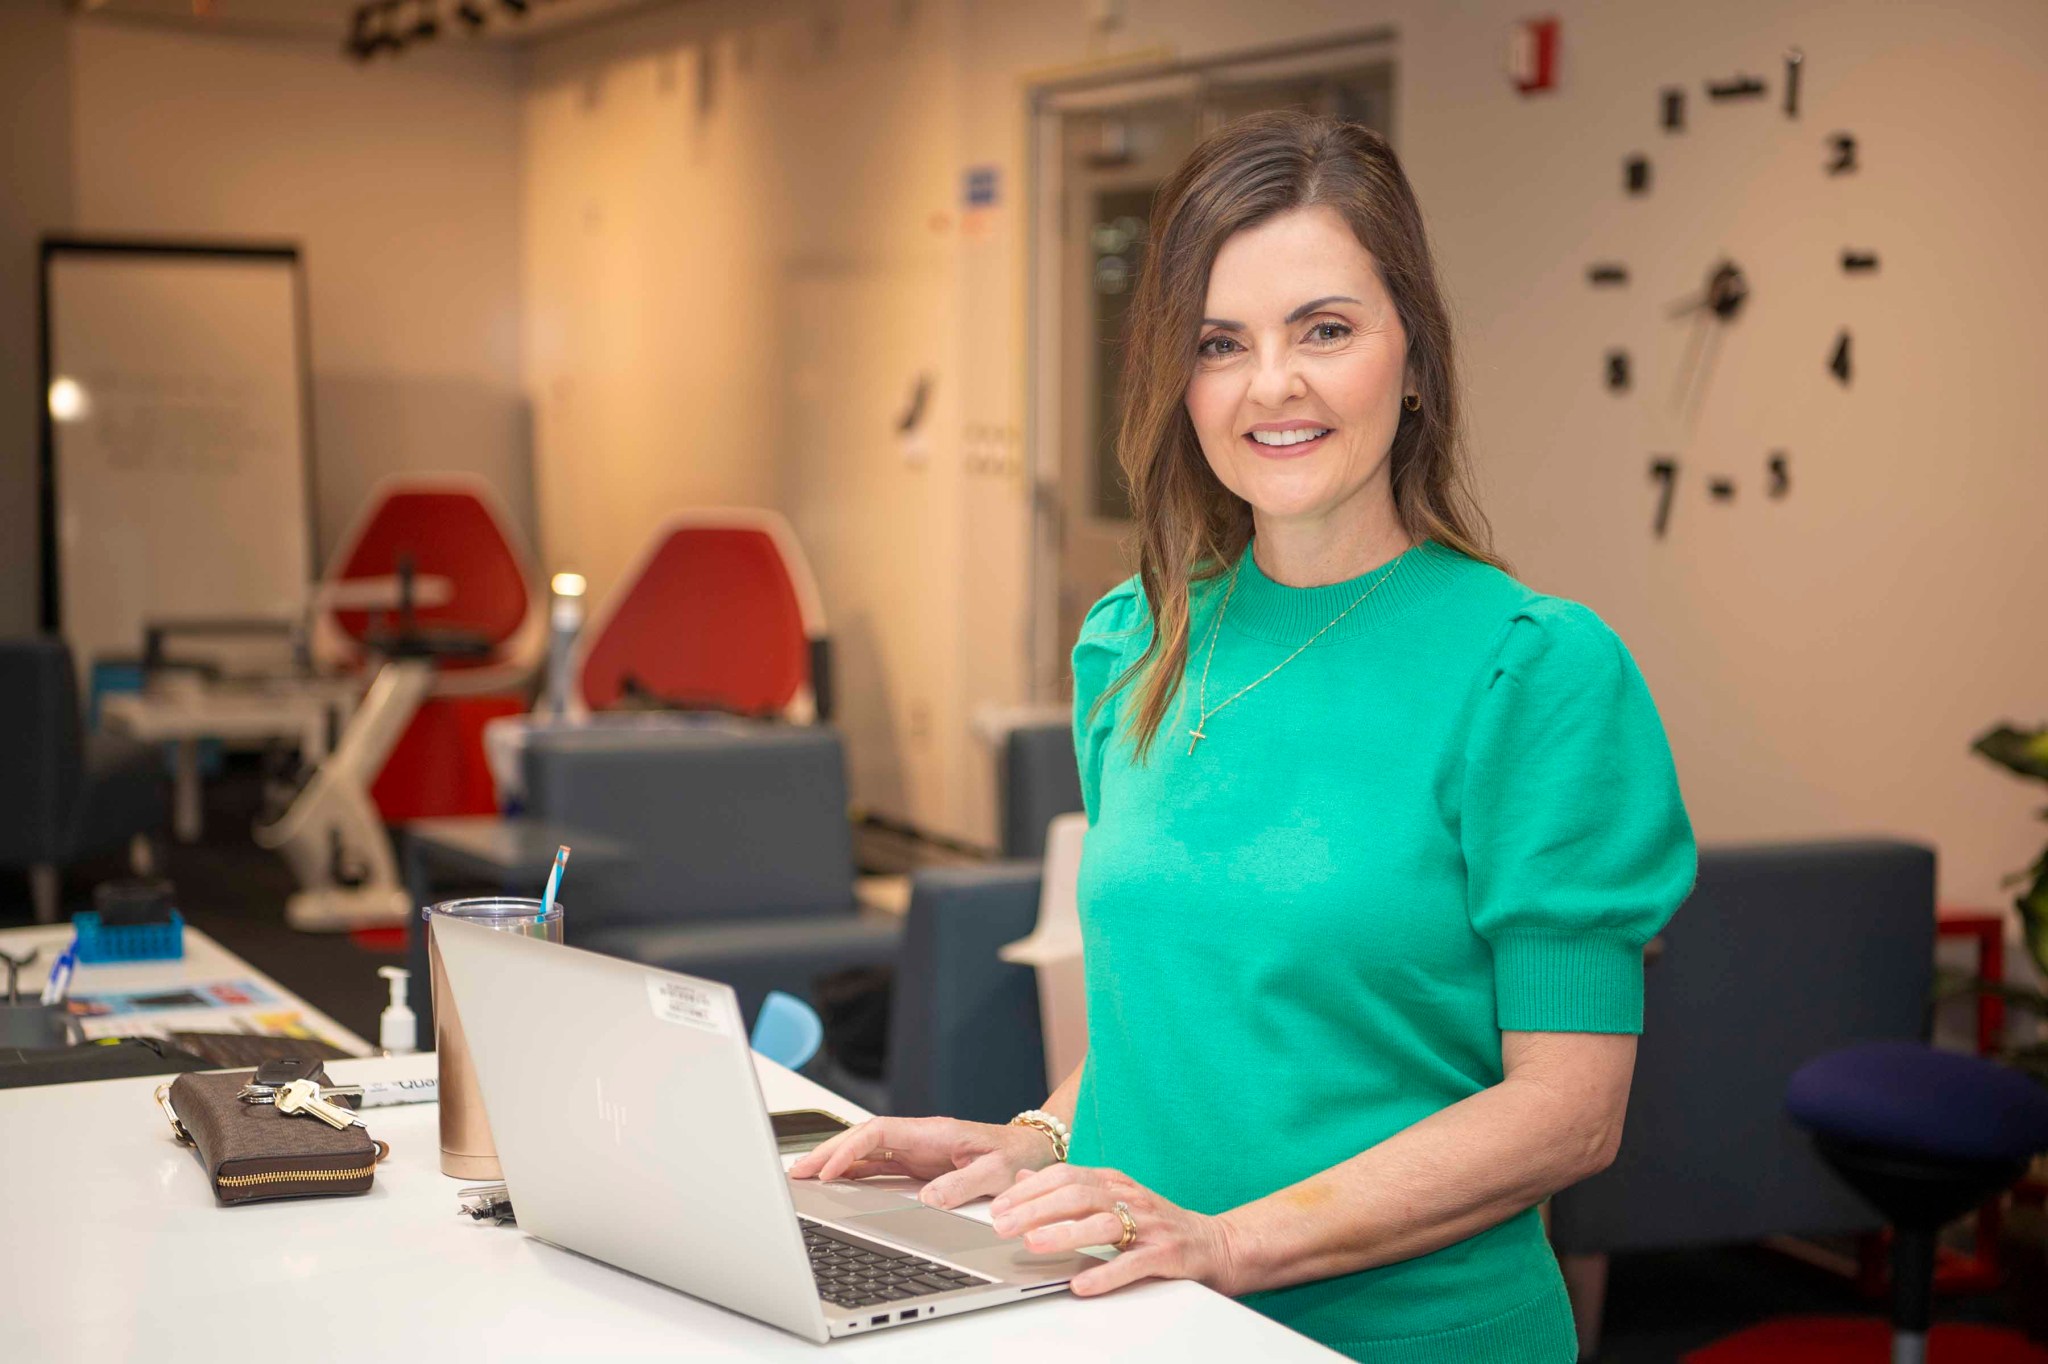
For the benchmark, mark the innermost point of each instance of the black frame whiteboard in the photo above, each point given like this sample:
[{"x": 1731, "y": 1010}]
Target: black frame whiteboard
[{"x": 176, "y": 418}]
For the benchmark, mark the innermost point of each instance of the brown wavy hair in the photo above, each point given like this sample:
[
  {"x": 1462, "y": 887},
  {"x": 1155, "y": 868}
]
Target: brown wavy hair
[{"x": 1189, "y": 526}]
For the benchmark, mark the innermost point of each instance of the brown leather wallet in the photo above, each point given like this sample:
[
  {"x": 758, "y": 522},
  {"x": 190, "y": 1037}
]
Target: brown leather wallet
[{"x": 253, "y": 1152}]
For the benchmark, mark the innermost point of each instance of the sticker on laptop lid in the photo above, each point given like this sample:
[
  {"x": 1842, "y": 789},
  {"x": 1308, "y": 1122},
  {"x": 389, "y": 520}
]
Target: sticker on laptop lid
[{"x": 678, "y": 1001}]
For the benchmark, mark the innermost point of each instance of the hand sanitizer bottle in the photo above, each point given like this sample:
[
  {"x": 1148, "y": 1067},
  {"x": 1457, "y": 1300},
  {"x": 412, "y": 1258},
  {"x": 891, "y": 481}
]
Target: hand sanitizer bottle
[{"x": 397, "y": 1027}]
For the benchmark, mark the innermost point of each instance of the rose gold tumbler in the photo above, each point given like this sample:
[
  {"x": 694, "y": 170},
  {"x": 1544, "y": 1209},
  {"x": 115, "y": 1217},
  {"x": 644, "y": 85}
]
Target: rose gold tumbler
[{"x": 467, "y": 1151}]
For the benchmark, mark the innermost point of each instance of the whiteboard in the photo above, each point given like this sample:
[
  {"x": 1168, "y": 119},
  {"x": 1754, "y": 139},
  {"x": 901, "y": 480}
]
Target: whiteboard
[{"x": 176, "y": 453}]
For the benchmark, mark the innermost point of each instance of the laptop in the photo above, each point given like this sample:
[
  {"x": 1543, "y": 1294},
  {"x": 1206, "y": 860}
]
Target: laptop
[{"x": 630, "y": 1124}]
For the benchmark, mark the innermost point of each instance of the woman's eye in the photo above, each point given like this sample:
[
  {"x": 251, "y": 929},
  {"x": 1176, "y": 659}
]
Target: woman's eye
[
  {"x": 1216, "y": 345},
  {"x": 1328, "y": 331}
]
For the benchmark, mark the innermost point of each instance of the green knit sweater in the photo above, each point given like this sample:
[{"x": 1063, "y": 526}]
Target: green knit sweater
[{"x": 1455, "y": 815}]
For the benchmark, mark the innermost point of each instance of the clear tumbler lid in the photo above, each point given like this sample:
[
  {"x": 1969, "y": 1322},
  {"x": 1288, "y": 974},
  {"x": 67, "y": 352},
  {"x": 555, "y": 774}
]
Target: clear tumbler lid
[{"x": 495, "y": 908}]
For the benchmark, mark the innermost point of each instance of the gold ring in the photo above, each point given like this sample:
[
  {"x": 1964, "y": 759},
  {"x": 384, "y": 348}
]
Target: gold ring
[
  {"x": 1123, "y": 1215},
  {"x": 886, "y": 1153}
]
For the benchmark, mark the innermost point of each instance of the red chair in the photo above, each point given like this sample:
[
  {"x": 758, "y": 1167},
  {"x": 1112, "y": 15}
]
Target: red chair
[
  {"x": 721, "y": 612},
  {"x": 461, "y": 543}
]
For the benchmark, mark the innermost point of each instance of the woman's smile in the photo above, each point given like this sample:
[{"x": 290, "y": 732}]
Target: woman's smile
[{"x": 1288, "y": 440}]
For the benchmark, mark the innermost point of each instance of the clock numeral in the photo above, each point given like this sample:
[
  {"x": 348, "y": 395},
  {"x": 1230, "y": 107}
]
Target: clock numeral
[
  {"x": 1636, "y": 175},
  {"x": 1606, "y": 273},
  {"x": 1674, "y": 109},
  {"x": 1859, "y": 262},
  {"x": 1617, "y": 371},
  {"x": 1794, "y": 59},
  {"x": 1664, "y": 469},
  {"x": 1780, "y": 465},
  {"x": 1839, "y": 362},
  {"x": 1844, "y": 146},
  {"x": 1742, "y": 87}
]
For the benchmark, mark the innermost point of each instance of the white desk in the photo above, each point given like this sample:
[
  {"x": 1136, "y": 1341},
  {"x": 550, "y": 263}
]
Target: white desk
[
  {"x": 205, "y": 962},
  {"x": 299, "y": 709},
  {"x": 117, "y": 1251}
]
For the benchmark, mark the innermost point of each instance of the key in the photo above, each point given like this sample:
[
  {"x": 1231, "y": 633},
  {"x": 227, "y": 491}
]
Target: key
[
  {"x": 263, "y": 1094},
  {"x": 303, "y": 1096}
]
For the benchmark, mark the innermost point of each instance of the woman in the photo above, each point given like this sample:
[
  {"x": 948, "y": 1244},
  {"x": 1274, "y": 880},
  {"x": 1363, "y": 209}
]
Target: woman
[{"x": 1377, "y": 833}]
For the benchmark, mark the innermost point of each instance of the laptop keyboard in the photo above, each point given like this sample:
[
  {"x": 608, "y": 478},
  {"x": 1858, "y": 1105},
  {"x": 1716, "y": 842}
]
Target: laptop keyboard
[{"x": 852, "y": 1272}]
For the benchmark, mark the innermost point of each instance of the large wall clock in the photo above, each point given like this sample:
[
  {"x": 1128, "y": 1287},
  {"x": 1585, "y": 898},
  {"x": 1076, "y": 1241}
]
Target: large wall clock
[{"x": 1711, "y": 302}]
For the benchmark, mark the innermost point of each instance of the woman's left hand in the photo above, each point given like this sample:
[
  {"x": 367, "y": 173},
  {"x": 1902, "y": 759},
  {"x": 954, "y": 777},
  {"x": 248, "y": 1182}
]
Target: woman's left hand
[{"x": 1066, "y": 1207}]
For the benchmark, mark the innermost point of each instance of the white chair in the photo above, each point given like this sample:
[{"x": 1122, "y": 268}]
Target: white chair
[{"x": 1054, "y": 950}]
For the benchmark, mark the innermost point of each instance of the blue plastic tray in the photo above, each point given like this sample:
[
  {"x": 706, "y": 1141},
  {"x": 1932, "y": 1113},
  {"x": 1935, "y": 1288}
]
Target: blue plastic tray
[{"x": 139, "y": 942}]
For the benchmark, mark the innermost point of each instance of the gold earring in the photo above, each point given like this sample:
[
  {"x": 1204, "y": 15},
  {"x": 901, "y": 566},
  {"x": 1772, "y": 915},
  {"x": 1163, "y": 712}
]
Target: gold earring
[{"x": 1413, "y": 402}]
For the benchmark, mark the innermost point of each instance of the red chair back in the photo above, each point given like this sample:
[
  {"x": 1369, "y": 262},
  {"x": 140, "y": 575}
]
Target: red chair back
[
  {"x": 714, "y": 617},
  {"x": 450, "y": 533}
]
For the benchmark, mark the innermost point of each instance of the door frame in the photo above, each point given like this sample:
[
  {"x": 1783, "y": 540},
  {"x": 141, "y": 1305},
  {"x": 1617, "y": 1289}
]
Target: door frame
[{"x": 1047, "y": 102}]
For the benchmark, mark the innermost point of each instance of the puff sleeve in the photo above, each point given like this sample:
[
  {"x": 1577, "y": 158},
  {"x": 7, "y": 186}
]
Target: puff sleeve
[
  {"x": 1111, "y": 636},
  {"x": 1576, "y": 841}
]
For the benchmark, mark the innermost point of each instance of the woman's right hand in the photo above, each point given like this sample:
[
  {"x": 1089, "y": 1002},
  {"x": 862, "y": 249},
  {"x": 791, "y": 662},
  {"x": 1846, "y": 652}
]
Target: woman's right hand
[{"x": 962, "y": 1160}]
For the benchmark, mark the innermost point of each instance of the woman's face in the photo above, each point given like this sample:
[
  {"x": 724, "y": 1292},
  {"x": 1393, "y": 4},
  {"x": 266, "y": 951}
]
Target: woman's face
[{"x": 1300, "y": 368}]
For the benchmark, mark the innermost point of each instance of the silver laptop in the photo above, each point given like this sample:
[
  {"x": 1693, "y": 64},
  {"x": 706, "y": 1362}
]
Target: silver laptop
[{"x": 631, "y": 1126}]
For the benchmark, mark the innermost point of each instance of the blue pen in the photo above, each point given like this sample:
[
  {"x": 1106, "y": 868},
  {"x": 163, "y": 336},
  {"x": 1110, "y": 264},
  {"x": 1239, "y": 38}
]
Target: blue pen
[
  {"x": 59, "y": 986},
  {"x": 555, "y": 878}
]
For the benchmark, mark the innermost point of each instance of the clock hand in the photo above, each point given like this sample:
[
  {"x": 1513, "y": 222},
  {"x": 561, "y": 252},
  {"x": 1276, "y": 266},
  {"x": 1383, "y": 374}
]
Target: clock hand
[
  {"x": 1692, "y": 303},
  {"x": 1685, "y": 366},
  {"x": 1706, "y": 373}
]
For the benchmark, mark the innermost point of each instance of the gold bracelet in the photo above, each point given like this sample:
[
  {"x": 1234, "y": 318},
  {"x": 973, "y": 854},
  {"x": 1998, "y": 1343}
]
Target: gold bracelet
[{"x": 1044, "y": 1122}]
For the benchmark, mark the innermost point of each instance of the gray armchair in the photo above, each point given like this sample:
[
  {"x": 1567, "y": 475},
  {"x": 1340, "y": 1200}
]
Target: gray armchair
[
  {"x": 1039, "y": 780},
  {"x": 1782, "y": 953},
  {"x": 68, "y": 795},
  {"x": 729, "y": 852},
  {"x": 963, "y": 1024}
]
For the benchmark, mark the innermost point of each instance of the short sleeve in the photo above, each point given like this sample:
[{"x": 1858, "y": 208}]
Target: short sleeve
[
  {"x": 1110, "y": 639},
  {"x": 1577, "y": 845}
]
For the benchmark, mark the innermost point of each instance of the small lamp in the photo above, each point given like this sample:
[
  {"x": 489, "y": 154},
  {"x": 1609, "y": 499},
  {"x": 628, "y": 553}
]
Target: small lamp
[{"x": 565, "y": 618}]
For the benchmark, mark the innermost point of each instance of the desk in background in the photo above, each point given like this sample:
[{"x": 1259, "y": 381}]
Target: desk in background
[
  {"x": 298, "y": 710},
  {"x": 205, "y": 963},
  {"x": 131, "y": 1259}
]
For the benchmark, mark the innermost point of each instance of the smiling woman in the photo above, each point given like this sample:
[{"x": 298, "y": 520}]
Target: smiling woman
[
  {"x": 1291, "y": 289},
  {"x": 1363, "y": 941}
]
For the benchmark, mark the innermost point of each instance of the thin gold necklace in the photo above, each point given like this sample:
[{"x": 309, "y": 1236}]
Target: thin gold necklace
[{"x": 1206, "y": 713}]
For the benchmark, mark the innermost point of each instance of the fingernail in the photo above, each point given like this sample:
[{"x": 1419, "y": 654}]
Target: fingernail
[{"x": 1003, "y": 1225}]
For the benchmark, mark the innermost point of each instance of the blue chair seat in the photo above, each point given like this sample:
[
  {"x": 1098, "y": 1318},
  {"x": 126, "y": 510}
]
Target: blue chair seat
[{"x": 1904, "y": 1097}]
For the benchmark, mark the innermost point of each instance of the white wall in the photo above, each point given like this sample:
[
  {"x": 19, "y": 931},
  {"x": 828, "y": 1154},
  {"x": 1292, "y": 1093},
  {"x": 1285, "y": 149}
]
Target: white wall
[
  {"x": 729, "y": 295},
  {"x": 1821, "y": 662},
  {"x": 400, "y": 181}
]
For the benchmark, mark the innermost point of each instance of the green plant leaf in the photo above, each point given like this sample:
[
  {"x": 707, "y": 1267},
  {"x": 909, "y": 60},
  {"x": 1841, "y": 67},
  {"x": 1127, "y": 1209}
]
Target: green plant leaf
[
  {"x": 2033, "y": 908},
  {"x": 2022, "y": 751}
]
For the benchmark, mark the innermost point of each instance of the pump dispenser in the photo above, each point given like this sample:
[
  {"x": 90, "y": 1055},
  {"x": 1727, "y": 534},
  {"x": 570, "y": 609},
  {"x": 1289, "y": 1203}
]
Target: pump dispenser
[{"x": 397, "y": 1026}]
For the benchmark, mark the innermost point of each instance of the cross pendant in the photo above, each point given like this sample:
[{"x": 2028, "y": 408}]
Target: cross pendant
[{"x": 1195, "y": 736}]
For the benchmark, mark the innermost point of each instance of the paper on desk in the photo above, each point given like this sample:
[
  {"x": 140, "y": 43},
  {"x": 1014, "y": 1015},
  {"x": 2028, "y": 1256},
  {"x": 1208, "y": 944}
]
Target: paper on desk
[{"x": 211, "y": 1006}]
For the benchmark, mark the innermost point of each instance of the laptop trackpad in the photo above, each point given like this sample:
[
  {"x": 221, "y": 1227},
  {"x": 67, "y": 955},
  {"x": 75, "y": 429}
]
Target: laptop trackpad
[
  {"x": 844, "y": 1198},
  {"x": 968, "y": 1242},
  {"x": 939, "y": 1232}
]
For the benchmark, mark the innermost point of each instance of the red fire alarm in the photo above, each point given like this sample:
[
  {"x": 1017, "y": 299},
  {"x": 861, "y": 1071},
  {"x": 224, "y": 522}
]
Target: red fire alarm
[{"x": 1532, "y": 55}]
